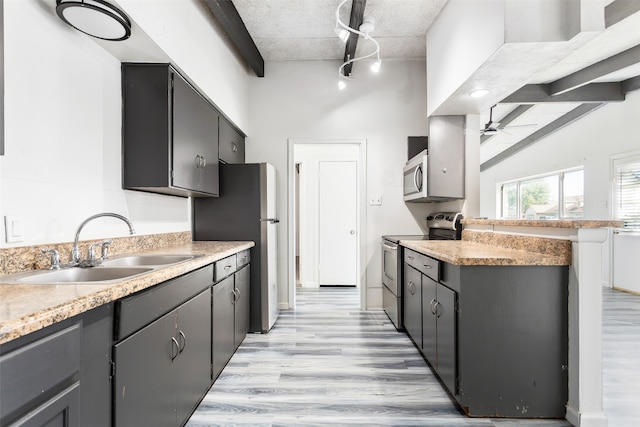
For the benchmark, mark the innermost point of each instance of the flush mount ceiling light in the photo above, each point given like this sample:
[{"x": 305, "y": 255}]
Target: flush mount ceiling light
[
  {"x": 478, "y": 93},
  {"x": 96, "y": 18},
  {"x": 368, "y": 25}
]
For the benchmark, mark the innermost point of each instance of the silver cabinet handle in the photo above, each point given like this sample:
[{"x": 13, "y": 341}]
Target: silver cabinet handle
[
  {"x": 227, "y": 267},
  {"x": 410, "y": 257},
  {"x": 197, "y": 161},
  {"x": 238, "y": 294},
  {"x": 444, "y": 170},
  {"x": 204, "y": 162},
  {"x": 436, "y": 307},
  {"x": 412, "y": 287},
  {"x": 431, "y": 306},
  {"x": 352, "y": 232},
  {"x": 234, "y": 147},
  {"x": 184, "y": 341},
  {"x": 174, "y": 342},
  {"x": 234, "y": 297},
  {"x": 427, "y": 266}
]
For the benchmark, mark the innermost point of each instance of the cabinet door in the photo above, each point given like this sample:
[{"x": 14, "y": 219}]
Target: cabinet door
[
  {"x": 231, "y": 143},
  {"x": 412, "y": 304},
  {"x": 61, "y": 410},
  {"x": 429, "y": 331},
  {"x": 242, "y": 305},
  {"x": 447, "y": 355},
  {"x": 194, "y": 359},
  {"x": 144, "y": 393},
  {"x": 446, "y": 157},
  {"x": 195, "y": 140},
  {"x": 223, "y": 344}
]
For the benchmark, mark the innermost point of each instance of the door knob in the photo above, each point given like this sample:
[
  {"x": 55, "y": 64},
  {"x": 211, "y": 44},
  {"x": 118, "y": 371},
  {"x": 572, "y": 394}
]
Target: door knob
[{"x": 352, "y": 232}]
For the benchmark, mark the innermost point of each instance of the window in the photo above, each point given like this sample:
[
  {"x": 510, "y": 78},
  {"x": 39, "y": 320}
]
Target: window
[
  {"x": 627, "y": 191},
  {"x": 554, "y": 196}
]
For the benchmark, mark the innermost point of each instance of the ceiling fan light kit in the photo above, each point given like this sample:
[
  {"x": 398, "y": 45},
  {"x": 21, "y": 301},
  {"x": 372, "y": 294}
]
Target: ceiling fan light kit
[
  {"x": 366, "y": 28},
  {"x": 96, "y": 18}
]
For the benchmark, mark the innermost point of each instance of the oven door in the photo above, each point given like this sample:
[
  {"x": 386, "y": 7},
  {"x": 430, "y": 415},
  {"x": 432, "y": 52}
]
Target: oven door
[
  {"x": 415, "y": 179},
  {"x": 390, "y": 266}
]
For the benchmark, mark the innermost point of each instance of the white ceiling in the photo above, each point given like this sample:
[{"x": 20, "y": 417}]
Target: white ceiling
[
  {"x": 293, "y": 30},
  {"x": 286, "y": 30}
]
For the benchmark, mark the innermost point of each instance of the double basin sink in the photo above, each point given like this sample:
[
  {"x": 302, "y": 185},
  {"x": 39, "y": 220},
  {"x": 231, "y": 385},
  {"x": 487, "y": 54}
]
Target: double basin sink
[{"x": 118, "y": 268}]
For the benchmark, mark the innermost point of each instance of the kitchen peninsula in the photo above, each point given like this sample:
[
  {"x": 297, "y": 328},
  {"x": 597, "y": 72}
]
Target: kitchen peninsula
[{"x": 500, "y": 245}]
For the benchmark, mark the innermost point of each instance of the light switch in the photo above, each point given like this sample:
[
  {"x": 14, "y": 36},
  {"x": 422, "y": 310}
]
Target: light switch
[
  {"x": 13, "y": 229},
  {"x": 375, "y": 200}
]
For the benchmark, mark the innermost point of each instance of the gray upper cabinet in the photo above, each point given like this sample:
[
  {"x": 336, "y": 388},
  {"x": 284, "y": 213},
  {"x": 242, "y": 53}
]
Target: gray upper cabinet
[
  {"x": 231, "y": 143},
  {"x": 170, "y": 133},
  {"x": 446, "y": 158}
]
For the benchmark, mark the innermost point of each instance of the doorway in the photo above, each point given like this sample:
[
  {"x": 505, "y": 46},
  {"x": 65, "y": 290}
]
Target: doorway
[{"x": 327, "y": 210}]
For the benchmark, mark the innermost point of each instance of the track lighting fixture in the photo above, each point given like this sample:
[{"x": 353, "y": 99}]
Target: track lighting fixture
[{"x": 368, "y": 25}]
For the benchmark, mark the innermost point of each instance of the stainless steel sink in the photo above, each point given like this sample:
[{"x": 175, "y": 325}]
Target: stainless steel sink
[
  {"x": 72, "y": 275},
  {"x": 143, "y": 260}
]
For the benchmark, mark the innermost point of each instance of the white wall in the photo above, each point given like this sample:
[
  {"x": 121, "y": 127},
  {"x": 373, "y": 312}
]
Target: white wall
[
  {"x": 62, "y": 106},
  {"x": 301, "y": 100}
]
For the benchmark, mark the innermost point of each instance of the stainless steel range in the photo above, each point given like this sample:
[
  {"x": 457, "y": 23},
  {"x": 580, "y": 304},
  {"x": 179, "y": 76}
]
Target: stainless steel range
[{"x": 442, "y": 226}]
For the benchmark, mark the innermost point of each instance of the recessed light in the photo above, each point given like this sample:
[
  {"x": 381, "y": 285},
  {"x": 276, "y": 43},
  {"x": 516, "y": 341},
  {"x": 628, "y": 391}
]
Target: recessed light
[{"x": 479, "y": 93}]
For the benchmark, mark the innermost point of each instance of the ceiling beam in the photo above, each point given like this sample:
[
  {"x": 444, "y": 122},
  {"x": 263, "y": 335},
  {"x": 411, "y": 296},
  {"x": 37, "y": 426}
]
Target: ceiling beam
[
  {"x": 591, "y": 93},
  {"x": 631, "y": 84},
  {"x": 552, "y": 127},
  {"x": 618, "y": 10},
  {"x": 607, "y": 66},
  {"x": 357, "y": 15},
  {"x": 517, "y": 112},
  {"x": 227, "y": 15}
]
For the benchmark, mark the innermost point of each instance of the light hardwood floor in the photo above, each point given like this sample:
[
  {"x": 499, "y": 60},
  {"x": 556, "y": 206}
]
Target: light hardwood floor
[{"x": 328, "y": 363}]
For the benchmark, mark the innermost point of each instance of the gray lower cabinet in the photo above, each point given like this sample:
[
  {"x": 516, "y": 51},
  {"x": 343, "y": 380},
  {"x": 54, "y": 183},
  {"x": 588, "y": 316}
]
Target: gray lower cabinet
[
  {"x": 495, "y": 335},
  {"x": 162, "y": 357},
  {"x": 223, "y": 324},
  {"x": 60, "y": 375},
  {"x": 412, "y": 304},
  {"x": 163, "y": 370},
  {"x": 231, "y": 306}
]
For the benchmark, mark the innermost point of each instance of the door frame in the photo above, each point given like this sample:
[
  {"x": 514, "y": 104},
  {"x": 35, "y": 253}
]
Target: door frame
[{"x": 362, "y": 210}]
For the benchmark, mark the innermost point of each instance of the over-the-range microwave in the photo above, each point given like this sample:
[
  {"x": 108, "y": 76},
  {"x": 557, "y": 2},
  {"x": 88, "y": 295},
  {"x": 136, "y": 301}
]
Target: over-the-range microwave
[{"x": 415, "y": 178}]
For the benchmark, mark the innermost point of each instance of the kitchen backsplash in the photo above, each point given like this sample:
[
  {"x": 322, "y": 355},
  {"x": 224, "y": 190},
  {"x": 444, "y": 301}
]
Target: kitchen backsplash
[{"x": 24, "y": 258}]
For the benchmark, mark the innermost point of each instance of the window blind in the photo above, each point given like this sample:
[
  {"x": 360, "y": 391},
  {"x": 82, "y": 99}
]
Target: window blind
[{"x": 627, "y": 174}]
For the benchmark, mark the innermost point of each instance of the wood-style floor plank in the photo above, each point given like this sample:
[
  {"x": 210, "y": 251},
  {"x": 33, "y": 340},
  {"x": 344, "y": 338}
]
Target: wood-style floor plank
[{"x": 328, "y": 363}]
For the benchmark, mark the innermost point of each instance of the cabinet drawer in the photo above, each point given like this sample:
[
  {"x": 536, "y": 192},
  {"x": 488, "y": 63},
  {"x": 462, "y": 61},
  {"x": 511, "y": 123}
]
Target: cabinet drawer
[
  {"x": 243, "y": 258},
  {"x": 225, "y": 267},
  {"x": 137, "y": 311},
  {"x": 423, "y": 263},
  {"x": 28, "y": 372}
]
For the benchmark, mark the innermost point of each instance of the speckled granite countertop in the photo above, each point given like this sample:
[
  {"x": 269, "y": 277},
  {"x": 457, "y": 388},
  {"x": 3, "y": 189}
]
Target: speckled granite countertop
[
  {"x": 28, "y": 308},
  {"x": 461, "y": 252},
  {"x": 550, "y": 223}
]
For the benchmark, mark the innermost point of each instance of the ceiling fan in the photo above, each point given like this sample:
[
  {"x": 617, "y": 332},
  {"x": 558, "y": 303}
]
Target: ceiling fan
[{"x": 491, "y": 128}]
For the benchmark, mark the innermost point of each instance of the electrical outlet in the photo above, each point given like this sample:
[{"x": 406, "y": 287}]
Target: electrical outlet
[
  {"x": 13, "y": 229},
  {"x": 375, "y": 200}
]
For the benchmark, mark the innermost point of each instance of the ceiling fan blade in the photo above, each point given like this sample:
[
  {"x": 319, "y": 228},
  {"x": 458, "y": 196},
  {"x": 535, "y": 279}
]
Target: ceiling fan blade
[{"x": 520, "y": 126}]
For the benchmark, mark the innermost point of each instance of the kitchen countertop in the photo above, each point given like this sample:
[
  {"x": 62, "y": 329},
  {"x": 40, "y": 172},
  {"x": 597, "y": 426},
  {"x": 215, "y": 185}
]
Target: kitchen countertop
[
  {"x": 549, "y": 223},
  {"x": 28, "y": 308},
  {"x": 461, "y": 252}
]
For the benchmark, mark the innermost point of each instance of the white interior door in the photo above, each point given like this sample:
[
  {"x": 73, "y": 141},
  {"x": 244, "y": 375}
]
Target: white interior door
[{"x": 337, "y": 223}]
